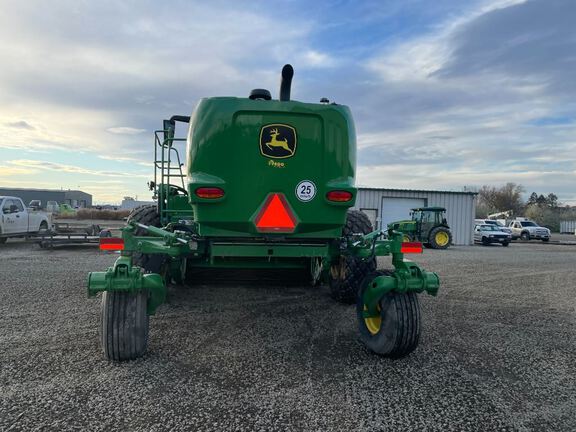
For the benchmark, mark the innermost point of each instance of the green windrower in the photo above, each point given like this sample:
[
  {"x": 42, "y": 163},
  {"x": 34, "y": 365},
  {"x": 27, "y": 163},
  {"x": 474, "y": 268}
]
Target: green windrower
[{"x": 267, "y": 185}]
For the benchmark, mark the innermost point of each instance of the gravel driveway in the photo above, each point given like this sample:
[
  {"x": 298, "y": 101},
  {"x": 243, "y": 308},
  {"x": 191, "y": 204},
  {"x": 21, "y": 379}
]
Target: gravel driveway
[{"x": 498, "y": 352}]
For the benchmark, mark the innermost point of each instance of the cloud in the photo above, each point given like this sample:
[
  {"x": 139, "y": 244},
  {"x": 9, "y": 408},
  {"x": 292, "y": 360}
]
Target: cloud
[
  {"x": 443, "y": 93},
  {"x": 8, "y": 171},
  {"x": 524, "y": 45},
  {"x": 125, "y": 130},
  {"x": 496, "y": 81},
  {"x": 20, "y": 125},
  {"x": 132, "y": 160},
  {"x": 421, "y": 58},
  {"x": 316, "y": 59},
  {"x": 199, "y": 51},
  {"x": 70, "y": 169}
]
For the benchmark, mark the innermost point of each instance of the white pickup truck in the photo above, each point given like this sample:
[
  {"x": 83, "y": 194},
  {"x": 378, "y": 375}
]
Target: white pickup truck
[
  {"x": 18, "y": 221},
  {"x": 526, "y": 230}
]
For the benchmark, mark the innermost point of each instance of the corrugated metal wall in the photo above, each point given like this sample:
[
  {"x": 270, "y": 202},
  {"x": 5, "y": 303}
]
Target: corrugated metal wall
[
  {"x": 568, "y": 227},
  {"x": 460, "y": 207}
]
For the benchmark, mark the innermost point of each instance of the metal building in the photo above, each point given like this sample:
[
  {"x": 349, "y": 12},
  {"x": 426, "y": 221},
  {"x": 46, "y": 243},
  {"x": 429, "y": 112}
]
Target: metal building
[
  {"x": 75, "y": 198},
  {"x": 568, "y": 227},
  {"x": 388, "y": 205}
]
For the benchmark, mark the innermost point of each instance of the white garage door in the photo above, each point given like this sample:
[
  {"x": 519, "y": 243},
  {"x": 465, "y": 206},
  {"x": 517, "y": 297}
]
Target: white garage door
[{"x": 395, "y": 209}]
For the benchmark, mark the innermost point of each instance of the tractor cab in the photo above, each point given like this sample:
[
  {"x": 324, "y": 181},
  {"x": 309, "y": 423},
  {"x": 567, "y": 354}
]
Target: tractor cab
[
  {"x": 429, "y": 216},
  {"x": 427, "y": 225},
  {"x": 431, "y": 226}
]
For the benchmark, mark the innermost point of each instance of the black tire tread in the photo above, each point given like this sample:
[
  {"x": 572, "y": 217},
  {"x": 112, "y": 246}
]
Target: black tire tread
[
  {"x": 432, "y": 237},
  {"x": 146, "y": 215},
  {"x": 124, "y": 325},
  {"x": 345, "y": 290},
  {"x": 407, "y": 331},
  {"x": 407, "y": 307}
]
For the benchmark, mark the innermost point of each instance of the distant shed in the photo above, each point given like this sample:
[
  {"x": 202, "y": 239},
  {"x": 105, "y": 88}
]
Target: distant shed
[
  {"x": 75, "y": 198},
  {"x": 387, "y": 205}
]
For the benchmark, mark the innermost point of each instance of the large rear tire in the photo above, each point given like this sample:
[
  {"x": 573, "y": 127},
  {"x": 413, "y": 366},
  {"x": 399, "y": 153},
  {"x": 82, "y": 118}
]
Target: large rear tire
[
  {"x": 124, "y": 325},
  {"x": 146, "y": 215},
  {"x": 396, "y": 332},
  {"x": 440, "y": 238},
  {"x": 348, "y": 272}
]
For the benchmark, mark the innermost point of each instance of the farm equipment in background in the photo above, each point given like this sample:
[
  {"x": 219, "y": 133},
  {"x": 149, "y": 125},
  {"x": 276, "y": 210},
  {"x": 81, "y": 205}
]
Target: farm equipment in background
[
  {"x": 70, "y": 233},
  {"x": 66, "y": 211},
  {"x": 428, "y": 225},
  {"x": 268, "y": 185}
]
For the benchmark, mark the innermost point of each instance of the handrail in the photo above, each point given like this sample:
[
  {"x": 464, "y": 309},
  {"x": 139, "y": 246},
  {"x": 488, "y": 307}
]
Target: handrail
[{"x": 167, "y": 166}]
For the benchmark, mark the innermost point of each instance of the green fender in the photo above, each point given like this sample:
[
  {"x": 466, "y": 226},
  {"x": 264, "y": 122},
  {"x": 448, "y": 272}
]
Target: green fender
[
  {"x": 408, "y": 278},
  {"x": 125, "y": 277}
]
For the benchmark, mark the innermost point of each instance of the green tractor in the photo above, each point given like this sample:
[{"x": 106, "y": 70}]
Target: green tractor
[
  {"x": 428, "y": 225},
  {"x": 267, "y": 186}
]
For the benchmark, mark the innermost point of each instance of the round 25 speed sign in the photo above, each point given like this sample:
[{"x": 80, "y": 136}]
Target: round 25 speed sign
[{"x": 306, "y": 190}]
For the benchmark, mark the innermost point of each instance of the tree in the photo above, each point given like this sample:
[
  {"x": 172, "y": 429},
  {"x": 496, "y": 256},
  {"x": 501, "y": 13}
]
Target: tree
[
  {"x": 551, "y": 200},
  {"x": 508, "y": 197},
  {"x": 533, "y": 198}
]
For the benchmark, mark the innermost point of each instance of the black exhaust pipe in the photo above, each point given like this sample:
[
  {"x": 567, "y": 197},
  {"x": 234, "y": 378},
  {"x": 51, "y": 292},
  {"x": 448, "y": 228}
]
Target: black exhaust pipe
[
  {"x": 180, "y": 118},
  {"x": 286, "y": 82}
]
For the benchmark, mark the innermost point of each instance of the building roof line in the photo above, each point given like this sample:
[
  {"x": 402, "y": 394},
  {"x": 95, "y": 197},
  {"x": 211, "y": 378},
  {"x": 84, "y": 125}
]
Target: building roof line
[
  {"x": 417, "y": 190},
  {"x": 41, "y": 190}
]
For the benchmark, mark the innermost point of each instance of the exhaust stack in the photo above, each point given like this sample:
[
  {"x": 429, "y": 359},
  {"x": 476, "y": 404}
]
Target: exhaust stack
[{"x": 286, "y": 82}]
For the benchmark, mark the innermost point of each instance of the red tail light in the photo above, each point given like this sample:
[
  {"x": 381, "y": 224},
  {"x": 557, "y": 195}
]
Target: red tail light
[
  {"x": 339, "y": 196},
  {"x": 111, "y": 243},
  {"x": 411, "y": 247},
  {"x": 275, "y": 215},
  {"x": 209, "y": 192}
]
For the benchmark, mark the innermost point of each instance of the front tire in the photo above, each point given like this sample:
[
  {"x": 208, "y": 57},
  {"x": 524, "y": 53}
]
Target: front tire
[
  {"x": 347, "y": 273},
  {"x": 440, "y": 238},
  {"x": 525, "y": 236},
  {"x": 396, "y": 332},
  {"x": 124, "y": 325},
  {"x": 505, "y": 244},
  {"x": 407, "y": 237}
]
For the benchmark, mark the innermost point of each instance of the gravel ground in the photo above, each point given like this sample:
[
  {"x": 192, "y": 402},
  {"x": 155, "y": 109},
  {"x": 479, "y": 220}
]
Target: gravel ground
[{"x": 497, "y": 352}]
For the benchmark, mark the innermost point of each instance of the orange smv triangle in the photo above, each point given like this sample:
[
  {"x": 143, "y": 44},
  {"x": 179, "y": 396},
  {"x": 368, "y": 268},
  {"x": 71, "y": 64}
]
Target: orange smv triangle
[{"x": 276, "y": 215}]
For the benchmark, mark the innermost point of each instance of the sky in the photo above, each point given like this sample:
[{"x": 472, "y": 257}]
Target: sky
[{"x": 445, "y": 94}]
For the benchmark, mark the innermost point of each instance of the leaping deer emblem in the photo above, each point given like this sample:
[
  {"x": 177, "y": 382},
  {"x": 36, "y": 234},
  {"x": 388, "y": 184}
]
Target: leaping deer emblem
[{"x": 275, "y": 142}]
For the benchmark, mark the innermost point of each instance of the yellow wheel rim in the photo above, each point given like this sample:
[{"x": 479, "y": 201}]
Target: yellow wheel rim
[
  {"x": 373, "y": 324},
  {"x": 442, "y": 238},
  {"x": 406, "y": 238}
]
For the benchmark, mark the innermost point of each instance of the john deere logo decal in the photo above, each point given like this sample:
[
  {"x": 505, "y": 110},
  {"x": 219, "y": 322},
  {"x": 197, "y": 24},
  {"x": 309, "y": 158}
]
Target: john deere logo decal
[{"x": 277, "y": 141}]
